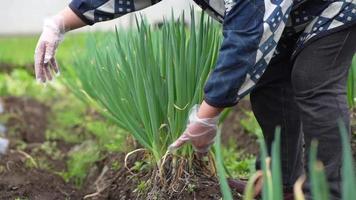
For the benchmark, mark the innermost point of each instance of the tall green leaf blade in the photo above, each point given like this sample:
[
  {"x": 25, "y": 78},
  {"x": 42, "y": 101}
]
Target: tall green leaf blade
[
  {"x": 348, "y": 167},
  {"x": 224, "y": 187}
]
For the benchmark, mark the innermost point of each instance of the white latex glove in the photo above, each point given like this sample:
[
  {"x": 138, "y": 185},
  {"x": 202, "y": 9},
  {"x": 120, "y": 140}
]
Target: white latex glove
[
  {"x": 4, "y": 144},
  {"x": 200, "y": 132},
  {"x": 45, "y": 62}
]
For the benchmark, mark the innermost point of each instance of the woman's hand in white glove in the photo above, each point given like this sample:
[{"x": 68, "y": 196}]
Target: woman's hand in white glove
[
  {"x": 200, "y": 131},
  {"x": 45, "y": 61},
  {"x": 54, "y": 29}
]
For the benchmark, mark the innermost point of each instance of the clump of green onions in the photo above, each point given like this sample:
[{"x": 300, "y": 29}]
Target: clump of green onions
[{"x": 147, "y": 79}]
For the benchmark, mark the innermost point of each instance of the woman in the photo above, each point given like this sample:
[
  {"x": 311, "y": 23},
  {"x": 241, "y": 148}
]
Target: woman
[{"x": 292, "y": 57}]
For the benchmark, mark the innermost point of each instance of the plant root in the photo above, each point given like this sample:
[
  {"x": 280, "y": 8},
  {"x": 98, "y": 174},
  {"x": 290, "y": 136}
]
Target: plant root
[
  {"x": 172, "y": 175},
  {"x": 29, "y": 157},
  {"x": 297, "y": 188},
  {"x": 99, "y": 184},
  {"x": 175, "y": 174},
  {"x": 128, "y": 155}
]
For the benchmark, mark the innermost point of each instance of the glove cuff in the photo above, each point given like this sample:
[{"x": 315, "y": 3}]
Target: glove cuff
[
  {"x": 193, "y": 117},
  {"x": 55, "y": 24}
]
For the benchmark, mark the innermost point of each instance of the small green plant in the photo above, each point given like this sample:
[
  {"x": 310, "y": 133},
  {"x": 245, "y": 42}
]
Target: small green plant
[
  {"x": 80, "y": 161},
  {"x": 51, "y": 149},
  {"x": 21, "y": 83},
  {"x": 237, "y": 164},
  {"x": 250, "y": 124},
  {"x": 115, "y": 165},
  {"x": 67, "y": 121},
  {"x": 142, "y": 187},
  {"x": 21, "y": 198},
  {"x": 20, "y": 145},
  {"x": 140, "y": 166},
  {"x": 109, "y": 137},
  {"x": 191, "y": 187},
  {"x": 2, "y": 169}
]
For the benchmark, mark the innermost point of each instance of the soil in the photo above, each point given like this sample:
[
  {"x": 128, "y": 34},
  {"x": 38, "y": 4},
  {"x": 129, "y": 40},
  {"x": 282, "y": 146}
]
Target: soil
[
  {"x": 8, "y": 68},
  {"x": 27, "y": 119},
  {"x": 108, "y": 179},
  {"x": 19, "y": 181},
  {"x": 19, "y": 178},
  {"x": 123, "y": 184},
  {"x": 353, "y": 133}
]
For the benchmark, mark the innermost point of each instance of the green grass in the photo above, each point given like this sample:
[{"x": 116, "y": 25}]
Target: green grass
[
  {"x": 20, "y": 50},
  {"x": 17, "y": 50}
]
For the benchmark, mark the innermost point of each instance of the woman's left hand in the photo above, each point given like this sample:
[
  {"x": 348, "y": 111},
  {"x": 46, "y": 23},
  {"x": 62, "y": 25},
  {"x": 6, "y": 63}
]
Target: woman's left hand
[{"x": 201, "y": 129}]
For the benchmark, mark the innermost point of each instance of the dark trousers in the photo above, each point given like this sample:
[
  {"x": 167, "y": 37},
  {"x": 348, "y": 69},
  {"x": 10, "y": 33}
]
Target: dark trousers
[{"x": 306, "y": 96}]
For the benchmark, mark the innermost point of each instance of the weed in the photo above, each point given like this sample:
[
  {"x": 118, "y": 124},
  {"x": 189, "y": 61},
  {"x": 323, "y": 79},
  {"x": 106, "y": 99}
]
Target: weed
[
  {"x": 80, "y": 160},
  {"x": 142, "y": 187},
  {"x": 237, "y": 165},
  {"x": 191, "y": 187},
  {"x": 110, "y": 138},
  {"x": 250, "y": 123},
  {"x": 21, "y": 83},
  {"x": 140, "y": 166},
  {"x": 115, "y": 165},
  {"x": 2, "y": 169},
  {"x": 50, "y": 148}
]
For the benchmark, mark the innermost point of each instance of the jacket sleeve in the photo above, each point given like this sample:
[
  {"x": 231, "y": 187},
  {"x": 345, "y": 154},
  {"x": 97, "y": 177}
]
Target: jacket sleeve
[
  {"x": 251, "y": 31},
  {"x": 92, "y": 11}
]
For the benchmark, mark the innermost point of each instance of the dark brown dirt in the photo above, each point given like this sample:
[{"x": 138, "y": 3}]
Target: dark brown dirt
[
  {"x": 27, "y": 119},
  {"x": 121, "y": 184},
  {"x": 232, "y": 130},
  {"x": 8, "y": 67},
  {"x": 19, "y": 177},
  {"x": 19, "y": 181}
]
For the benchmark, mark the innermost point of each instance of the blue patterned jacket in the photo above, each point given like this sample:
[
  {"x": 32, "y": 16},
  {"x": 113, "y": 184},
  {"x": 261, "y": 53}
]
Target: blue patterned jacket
[{"x": 252, "y": 29}]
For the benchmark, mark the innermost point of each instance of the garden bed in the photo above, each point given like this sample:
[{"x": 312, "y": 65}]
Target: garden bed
[
  {"x": 21, "y": 178},
  {"x": 30, "y": 170},
  {"x": 20, "y": 173}
]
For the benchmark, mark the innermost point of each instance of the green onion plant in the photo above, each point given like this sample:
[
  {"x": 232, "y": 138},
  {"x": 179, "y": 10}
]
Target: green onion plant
[
  {"x": 146, "y": 80},
  {"x": 351, "y": 84}
]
